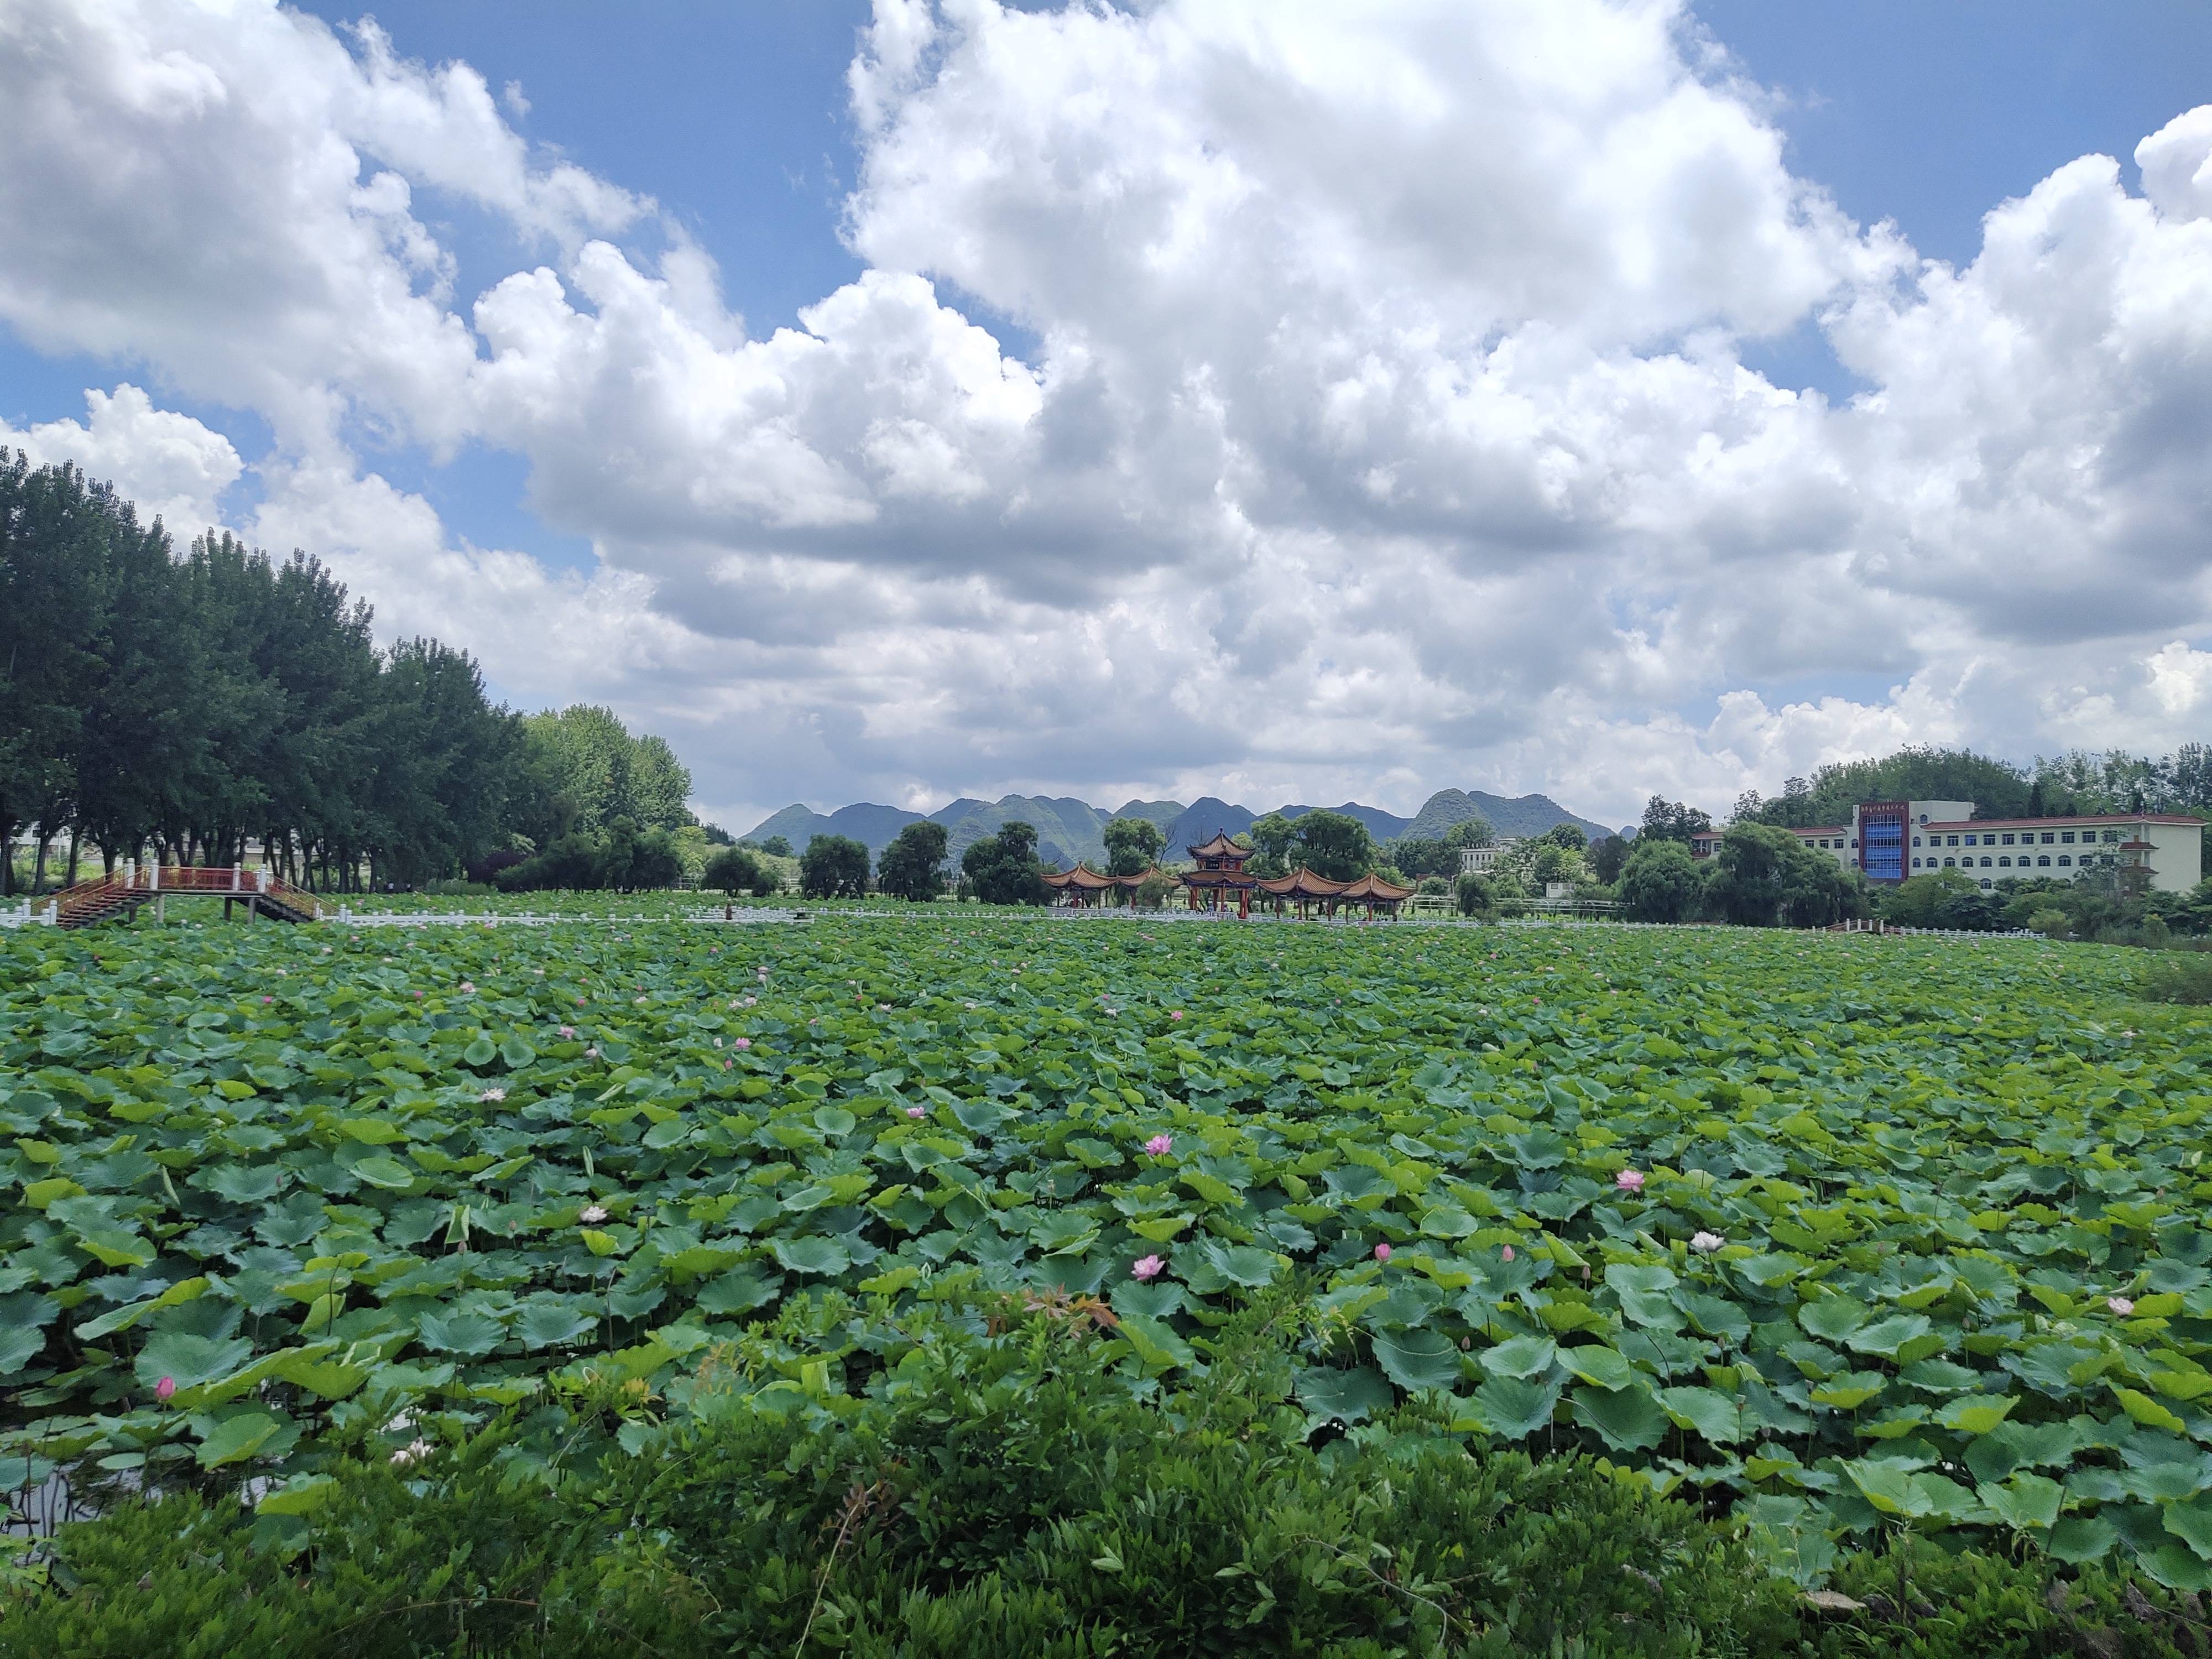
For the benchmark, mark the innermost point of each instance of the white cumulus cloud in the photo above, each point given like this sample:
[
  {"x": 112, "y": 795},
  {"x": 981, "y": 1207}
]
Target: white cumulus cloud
[{"x": 1260, "y": 398}]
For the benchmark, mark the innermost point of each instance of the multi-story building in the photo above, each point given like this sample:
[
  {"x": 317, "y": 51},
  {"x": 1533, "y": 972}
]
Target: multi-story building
[
  {"x": 1481, "y": 861},
  {"x": 1894, "y": 840}
]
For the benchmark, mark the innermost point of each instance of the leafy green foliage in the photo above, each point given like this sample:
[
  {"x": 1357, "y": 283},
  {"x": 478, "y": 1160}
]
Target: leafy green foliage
[
  {"x": 735, "y": 869},
  {"x": 1917, "y": 1226},
  {"x": 833, "y": 866},
  {"x": 178, "y": 703},
  {"x": 1660, "y": 881},
  {"x": 924, "y": 1491},
  {"x": 1004, "y": 868},
  {"x": 913, "y": 866},
  {"x": 1133, "y": 846}
]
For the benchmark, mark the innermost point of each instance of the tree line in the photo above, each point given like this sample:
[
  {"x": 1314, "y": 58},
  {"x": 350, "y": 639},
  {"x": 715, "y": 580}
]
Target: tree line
[{"x": 186, "y": 705}]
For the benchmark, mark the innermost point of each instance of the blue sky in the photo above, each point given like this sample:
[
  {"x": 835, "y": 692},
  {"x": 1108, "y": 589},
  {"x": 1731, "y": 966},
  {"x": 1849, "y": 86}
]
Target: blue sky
[{"x": 815, "y": 633}]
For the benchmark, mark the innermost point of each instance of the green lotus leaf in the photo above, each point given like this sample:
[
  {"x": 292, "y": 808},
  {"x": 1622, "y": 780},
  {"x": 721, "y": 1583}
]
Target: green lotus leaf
[
  {"x": 1344, "y": 1397},
  {"x": 1628, "y": 1419},
  {"x": 810, "y": 1255},
  {"x": 1513, "y": 1408},
  {"x": 1418, "y": 1359},
  {"x": 237, "y": 1438}
]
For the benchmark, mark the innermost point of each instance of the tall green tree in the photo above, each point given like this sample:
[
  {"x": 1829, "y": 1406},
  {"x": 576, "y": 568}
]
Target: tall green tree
[
  {"x": 833, "y": 866},
  {"x": 1334, "y": 845},
  {"x": 1272, "y": 838},
  {"x": 1003, "y": 869},
  {"x": 913, "y": 866},
  {"x": 1133, "y": 846},
  {"x": 1661, "y": 881},
  {"x": 1666, "y": 820}
]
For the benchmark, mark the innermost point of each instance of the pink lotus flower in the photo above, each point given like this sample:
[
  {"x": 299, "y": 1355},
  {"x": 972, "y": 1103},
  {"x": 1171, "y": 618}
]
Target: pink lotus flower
[
  {"x": 2120, "y": 1305},
  {"x": 1160, "y": 1145},
  {"x": 727, "y": 1064},
  {"x": 418, "y": 996},
  {"x": 741, "y": 1043},
  {"x": 165, "y": 1388},
  {"x": 1508, "y": 1253},
  {"x": 915, "y": 1111},
  {"x": 1382, "y": 1252},
  {"x": 468, "y": 987},
  {"x": 567, "y": 1031},
  {"x": 1629, "y": 1181},
  {"x": 266, "y": 1000},
  {"x": 580, "y": 1002},
  {"x": 1176, "y": 1015},
  {"x": 1705, "y": 1243},
  {"x": 1147, "y": 1269}
]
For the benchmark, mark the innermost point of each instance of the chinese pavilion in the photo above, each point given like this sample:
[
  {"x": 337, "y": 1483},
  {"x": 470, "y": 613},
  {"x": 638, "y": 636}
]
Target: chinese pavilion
[
  {"x": 1221, "y": 872},
  {"x": 1083, "y": 886}
]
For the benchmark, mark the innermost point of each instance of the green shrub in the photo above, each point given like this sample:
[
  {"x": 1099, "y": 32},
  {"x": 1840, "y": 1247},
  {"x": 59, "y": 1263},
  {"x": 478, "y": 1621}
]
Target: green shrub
[
  {"x": 1010, "y": 1494},
  {"x": 1921, "y": 1602},
  {"x": 2178, "y": 977},
  {"x": 988, "y": 1496}
]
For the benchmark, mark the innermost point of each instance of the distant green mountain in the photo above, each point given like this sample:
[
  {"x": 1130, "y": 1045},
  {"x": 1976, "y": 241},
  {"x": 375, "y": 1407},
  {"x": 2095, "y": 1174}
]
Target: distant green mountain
[
  {"x": 1071, "y": 830},
  {"x": 1520, "y": 815},
  {"x": 865, "y": 822},
  {"x": 1383, "y": 826}
]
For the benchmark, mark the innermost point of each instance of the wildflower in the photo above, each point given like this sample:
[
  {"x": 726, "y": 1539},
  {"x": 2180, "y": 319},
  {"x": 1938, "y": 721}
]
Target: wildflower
[
  {"x": 1382, "y": 1252},
  {"x": 165, "y": 1388},
  {"x": 1508, "y": 1253},
  {"x": 741, "y": 1043},
  {"x": 1160, "y": 1145},
  {"x": 493, "y": 1094},
  {"x": 2120, "y": 1305},
  {"x": 567, "y": 1031},
  {"x": 1629, "y": 1181},
  {"x": 592, "y": 1215},
  {"x": 1147, "y": 1269},
  {"x": 1705, "y": 1243}
]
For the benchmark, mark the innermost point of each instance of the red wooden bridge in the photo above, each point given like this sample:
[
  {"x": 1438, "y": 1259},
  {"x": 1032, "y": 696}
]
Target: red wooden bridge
[{"x": 134, "y": 885}]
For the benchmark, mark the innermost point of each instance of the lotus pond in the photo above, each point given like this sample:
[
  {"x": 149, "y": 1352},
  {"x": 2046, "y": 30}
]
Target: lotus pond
[{"x": 1840, "y": 1234}]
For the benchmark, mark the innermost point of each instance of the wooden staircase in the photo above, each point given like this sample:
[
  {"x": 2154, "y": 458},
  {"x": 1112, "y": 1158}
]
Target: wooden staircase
[{"x": 105, "y": 897}]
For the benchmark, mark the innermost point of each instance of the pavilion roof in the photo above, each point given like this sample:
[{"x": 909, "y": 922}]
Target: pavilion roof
[
  {"x": 1302, "y": 883},
  {"x": 1373, "y": 886},
  {"x": 1139, "y": 878},
  {"x": 1219, "y": 847}
]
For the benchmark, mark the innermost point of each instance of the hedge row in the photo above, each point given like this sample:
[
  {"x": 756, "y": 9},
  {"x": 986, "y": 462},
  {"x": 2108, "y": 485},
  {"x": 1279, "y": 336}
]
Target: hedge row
[{"x": 1001, "y": 1491}]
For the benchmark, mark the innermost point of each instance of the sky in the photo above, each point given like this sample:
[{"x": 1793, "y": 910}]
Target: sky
[{"x": 1279, "y": 401}]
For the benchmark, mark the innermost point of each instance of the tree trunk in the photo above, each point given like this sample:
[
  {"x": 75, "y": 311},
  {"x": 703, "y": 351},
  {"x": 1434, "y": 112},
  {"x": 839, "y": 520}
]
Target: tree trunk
[
  {"x": 76, "y": 841},
  {"x": 39, "y": 869}
]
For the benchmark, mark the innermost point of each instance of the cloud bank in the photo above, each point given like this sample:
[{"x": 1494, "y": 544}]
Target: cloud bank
[{"x": 1260, "y": 399}]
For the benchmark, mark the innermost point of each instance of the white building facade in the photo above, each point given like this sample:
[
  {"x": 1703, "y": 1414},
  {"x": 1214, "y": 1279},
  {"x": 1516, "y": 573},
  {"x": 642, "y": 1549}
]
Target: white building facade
[
  {"x": 1894, "y": 840},
  {"x": 1481, "y": 861}
]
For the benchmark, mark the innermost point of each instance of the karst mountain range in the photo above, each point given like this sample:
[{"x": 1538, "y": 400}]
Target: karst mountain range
[{"x": 1070, "y": 829}]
